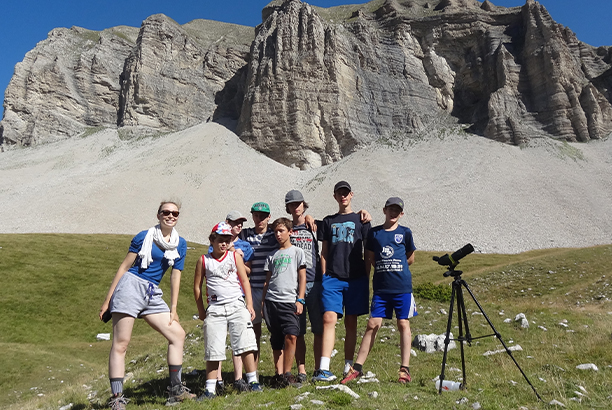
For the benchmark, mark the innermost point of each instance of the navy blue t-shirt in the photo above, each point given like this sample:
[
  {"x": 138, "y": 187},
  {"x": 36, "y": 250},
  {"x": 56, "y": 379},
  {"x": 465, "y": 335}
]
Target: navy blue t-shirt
[
  {"x": 391, "y": 270},
  {"x": 345, "y": 234}
]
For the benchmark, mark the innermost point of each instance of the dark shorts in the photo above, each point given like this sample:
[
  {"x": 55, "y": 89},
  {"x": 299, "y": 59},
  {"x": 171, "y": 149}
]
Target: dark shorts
[
  {"x": 281, "y": 320},
  {"x": 383, "y": 305},
  {"x": 313, "y": 308},
  {"x": 352, "y": 295}
]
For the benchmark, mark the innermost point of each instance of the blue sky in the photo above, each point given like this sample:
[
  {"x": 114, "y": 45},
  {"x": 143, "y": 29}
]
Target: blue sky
[{"x": 23, "y": 23}]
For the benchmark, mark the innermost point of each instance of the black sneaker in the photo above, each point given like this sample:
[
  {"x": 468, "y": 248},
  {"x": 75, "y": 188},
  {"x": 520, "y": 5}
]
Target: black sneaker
[
  {"x": 278, "y": 382},
  {"x": 290, "y": 380},
  {"x": 241, "y": 386},
  {"x": 220, "y": 388},
  {"x": 302, "y": 377}
]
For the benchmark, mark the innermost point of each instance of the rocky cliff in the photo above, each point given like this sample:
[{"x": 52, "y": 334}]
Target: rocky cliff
[{"x": 308, "y": 86}]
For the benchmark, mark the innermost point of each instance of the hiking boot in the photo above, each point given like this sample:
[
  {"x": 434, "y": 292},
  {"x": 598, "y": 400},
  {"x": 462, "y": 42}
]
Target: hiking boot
[
  {"x": 241, "y": 386},
  {"x": 290, "y": 380},
  {"x": 404, "y": 376},
  {"x": 118, "y": 402},
  {"x": 255, "y": 387},
  {"x": 351, "y": 375},
  {"x": 301, "y": 377},
  {"x": 323, "y": 376},
  {"x": 220, "y": 388},
  {"x": 206, "y": 396},
  {"x": 178, "y": 393}
]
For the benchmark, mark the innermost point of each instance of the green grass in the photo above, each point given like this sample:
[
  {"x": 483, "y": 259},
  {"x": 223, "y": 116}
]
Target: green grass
[{"x": 53, "y": 286}]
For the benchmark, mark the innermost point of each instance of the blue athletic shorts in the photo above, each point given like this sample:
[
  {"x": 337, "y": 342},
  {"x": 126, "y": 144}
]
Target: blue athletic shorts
[
  {"x": 383, "y": 305},
  {"x": 352, "y": 295}
]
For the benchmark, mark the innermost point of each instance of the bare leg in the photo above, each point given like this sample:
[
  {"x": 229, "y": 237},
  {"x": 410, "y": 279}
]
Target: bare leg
[
  {"x": 368, "y": 340},
  {"x": 248, "y": 358},
  {"x": 277, "y": 356},
  {"x": 173, "y": 332},
  {"x": 289, "y": 352},
  {"x": 257, "y": 330},
  {"x": 122, "y": 333},
  {"x": 317, "y": 346},
  {"x": 329, "y": 333},
  {"x": 237, "y": 360},
  {"x": 403, "y": 325},
  {"x": 350, "y": 340},
  {"x": 212, "y": 367},
  {"x": 300, "y": 354}
]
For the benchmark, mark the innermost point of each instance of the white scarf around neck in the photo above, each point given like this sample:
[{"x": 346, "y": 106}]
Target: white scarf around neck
[{"x": 155, "y": 235}]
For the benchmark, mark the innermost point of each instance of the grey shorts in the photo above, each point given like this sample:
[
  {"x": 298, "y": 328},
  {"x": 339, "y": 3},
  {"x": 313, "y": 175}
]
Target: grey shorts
[
  {"x": 313, "y": 307},
  {"x": 233, "y": 317},
  {"x": 137, "y": 297},
  {"x": 256, "y": 294}
]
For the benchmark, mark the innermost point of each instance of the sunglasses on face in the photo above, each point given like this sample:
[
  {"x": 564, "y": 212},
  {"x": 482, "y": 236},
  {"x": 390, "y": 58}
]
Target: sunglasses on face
[{"x": 166, "y": 212}]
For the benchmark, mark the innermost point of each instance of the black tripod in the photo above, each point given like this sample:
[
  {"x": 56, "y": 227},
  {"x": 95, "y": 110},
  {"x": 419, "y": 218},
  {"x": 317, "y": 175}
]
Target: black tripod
[{"x": 457, "y": 292}]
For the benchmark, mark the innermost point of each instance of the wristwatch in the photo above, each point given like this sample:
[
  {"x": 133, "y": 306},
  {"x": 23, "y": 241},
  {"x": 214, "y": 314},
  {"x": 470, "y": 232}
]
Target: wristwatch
[{"x": 302, "y": 301}]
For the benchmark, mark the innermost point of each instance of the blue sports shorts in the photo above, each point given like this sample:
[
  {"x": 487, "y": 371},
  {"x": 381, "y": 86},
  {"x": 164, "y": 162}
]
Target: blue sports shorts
[
  {"x": 352, "y": 295},
  {"x": 383, "y": 305}
]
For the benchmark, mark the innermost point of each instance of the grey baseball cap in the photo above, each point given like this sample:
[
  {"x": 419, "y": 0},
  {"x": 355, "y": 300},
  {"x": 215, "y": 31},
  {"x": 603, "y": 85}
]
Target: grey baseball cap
[
  {"x": 395, "y": 201},
  {"x": 235, "y": 216},
  {"x": 293, "y": 196}
]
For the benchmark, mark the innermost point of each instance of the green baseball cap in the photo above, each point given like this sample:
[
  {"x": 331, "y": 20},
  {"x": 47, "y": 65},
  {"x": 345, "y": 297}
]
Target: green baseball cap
[{"x": 260, "y": 207}]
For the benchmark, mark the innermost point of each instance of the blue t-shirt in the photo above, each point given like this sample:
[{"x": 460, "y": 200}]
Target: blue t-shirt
[
  {"x": 244, "y": 246},
  {"x": 155, "y": 272},
  {"x": 344, "y": 234},
  {"x": 391, "y": 270}
]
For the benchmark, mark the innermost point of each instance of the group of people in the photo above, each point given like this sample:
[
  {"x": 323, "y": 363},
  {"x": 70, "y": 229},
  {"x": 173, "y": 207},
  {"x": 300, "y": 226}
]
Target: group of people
[{"x": 273, "y": 273}]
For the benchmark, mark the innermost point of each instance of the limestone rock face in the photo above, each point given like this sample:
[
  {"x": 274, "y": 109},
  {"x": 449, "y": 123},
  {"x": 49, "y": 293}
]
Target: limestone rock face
[
  {"x": 161, "y": 77},
  {"x": 68, "y": 82},
  {"x": 317, "y": 88},
  {"x": 174, "y": 76}
]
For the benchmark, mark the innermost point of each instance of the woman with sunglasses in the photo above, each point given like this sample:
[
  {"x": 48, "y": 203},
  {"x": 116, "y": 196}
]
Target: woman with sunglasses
[{"x": 135, "y": 293}]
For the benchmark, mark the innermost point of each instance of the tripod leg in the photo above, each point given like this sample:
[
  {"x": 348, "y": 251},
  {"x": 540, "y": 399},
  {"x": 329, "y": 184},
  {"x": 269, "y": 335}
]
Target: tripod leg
[
  {"x": 498, "y": 336},
  {"x": 447, "y": 338},
  {"x": 462, "y": 318}
]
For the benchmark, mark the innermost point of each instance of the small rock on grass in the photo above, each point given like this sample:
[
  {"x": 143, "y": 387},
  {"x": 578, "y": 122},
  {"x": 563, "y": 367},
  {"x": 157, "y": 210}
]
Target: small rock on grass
[{"x": 587, "y": 366}]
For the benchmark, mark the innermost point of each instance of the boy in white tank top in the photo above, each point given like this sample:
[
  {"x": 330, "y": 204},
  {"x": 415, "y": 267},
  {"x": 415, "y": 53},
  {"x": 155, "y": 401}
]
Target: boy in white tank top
[{"x": 230, "y": 305}]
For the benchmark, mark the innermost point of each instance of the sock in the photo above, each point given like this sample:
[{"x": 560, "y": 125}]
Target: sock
[
  {"x": 116, "y": 386},
  {"x": 325, "y": 363},
  {"x": 251, "y": 377},
  {"x": 210, "y": 385},
  {"x": 358, "y": 367},
  {"x": 347, "y": 365},
  {"x": 175, "y": 374}
]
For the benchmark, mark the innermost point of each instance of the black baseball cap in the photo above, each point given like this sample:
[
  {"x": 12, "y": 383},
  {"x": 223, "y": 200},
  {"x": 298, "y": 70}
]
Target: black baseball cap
[
  {"x": 342, "y": 184},
  {"x": 395, "y": 201}
]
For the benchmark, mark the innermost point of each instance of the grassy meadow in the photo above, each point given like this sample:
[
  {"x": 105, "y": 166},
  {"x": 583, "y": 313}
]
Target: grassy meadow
[{"x": 53, "y": 286}]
